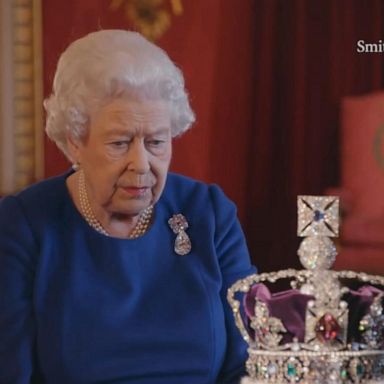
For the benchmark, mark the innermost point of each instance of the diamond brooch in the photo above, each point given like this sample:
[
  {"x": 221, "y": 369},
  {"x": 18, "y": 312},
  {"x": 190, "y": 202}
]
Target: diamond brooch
[{"x": 179, "y": 224}]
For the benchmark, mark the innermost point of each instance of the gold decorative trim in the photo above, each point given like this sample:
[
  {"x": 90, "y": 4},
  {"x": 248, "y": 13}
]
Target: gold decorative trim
[
  {"x": 27, "y": 79},
  {"x": 152, "y": 18},
  {"x": 21, "y": 128}
]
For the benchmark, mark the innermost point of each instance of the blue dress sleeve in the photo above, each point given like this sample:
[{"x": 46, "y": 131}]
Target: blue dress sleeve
[
  {"x": 17, "y": 269},
  {"x": 235, "y": 263}
]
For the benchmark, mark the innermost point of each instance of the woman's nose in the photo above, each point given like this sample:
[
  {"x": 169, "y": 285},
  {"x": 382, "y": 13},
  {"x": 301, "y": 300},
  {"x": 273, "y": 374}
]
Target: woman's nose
[{"x": 138, "y": 160}]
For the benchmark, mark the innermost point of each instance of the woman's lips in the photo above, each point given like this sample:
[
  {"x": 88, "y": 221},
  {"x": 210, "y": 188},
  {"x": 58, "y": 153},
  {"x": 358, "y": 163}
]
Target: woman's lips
[{"x": 136, "y": 191}]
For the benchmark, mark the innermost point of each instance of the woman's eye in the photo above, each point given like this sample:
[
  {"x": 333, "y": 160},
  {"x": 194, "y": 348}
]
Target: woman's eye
[
  {"x": 119, "y": 144},
  {"x": 155, "y": 142}
]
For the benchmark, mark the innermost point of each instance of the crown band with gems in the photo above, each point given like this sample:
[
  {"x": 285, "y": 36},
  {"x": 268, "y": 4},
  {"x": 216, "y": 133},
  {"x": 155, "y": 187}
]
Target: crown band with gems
[{"x": 322, "y": 330}]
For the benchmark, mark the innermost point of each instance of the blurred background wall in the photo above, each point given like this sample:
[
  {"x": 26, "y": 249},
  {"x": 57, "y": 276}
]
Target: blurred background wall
[{"x": 266, "y": 79}]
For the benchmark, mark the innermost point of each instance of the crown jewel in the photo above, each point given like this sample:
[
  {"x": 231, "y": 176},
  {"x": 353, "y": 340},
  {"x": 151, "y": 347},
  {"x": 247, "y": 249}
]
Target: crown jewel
[{"x": 328, "y": 327}]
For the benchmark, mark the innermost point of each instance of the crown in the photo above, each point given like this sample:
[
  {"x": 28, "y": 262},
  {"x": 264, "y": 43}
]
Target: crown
[{"x": 327, "y": 327}]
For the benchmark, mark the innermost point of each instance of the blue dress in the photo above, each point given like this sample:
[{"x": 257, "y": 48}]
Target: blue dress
[{"x": 78, "y": 307}]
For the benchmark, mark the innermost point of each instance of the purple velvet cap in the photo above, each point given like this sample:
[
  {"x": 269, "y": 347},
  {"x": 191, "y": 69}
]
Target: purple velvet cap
[{"x": 290, "y": 307}]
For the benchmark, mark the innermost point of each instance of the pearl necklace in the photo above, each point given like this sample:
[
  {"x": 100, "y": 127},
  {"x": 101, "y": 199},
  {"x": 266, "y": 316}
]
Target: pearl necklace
[{"x": 86, "y": 209}]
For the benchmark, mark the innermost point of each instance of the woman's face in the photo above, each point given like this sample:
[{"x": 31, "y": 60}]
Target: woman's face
[{"x": 126, "y": 155}]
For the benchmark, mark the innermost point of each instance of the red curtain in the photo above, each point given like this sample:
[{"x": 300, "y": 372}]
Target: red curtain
[
  {"x": 306, "y": 62},
  {"x": 266, "y": 78}
]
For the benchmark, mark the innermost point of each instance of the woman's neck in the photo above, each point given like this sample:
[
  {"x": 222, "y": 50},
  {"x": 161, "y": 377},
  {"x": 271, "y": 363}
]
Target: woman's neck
[{"x": 108, "y": 223}]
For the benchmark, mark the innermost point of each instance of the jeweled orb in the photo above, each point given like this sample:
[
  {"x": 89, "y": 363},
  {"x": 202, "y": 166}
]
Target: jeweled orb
[{"x": 317, "y": 252}]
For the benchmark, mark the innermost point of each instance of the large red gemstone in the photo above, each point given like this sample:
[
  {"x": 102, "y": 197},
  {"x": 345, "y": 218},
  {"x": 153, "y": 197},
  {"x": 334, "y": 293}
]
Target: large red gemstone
[{"x": 327, "y": 328}]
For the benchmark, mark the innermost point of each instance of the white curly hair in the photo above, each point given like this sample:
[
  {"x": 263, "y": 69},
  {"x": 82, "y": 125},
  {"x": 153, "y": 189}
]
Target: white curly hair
[{"x": 110, "y": 64}]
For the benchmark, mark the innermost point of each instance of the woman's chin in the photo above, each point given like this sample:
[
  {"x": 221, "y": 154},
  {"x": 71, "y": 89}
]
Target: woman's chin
[{"x": 133, "y": 207}]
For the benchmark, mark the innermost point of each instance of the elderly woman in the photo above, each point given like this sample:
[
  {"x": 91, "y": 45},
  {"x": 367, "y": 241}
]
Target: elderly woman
[{"x": 117, "y": 271}]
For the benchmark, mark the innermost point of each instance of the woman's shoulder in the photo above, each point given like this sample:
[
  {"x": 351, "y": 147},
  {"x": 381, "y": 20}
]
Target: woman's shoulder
[
  {"x": 185, "y": 186},
  {"x": 183, "y": 183},
  {"x": 191, "y": 193},
  {"x": 39, "y": 196}
]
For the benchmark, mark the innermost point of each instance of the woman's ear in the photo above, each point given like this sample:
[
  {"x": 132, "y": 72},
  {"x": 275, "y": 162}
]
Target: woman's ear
[{"x": 74, "y": 148}]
